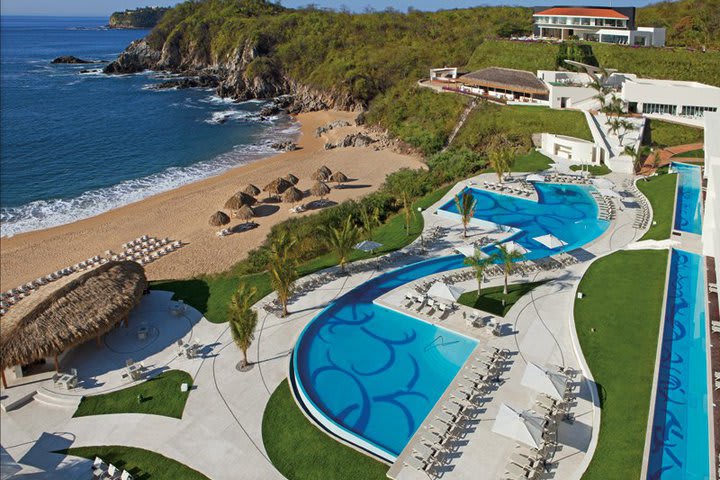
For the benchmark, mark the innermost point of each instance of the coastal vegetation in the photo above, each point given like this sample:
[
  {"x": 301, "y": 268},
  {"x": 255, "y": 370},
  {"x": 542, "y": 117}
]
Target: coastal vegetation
[
  {"x": 689, "y": 23},
  {"x": 660, "y": 192},
  {"x": 301, "y": 451},
  {"x": 146, "y": 17},
  {"x": 141, "y": 463},
  {"x": 160, "y": 395},
  {"x": 617, "y": 323}
]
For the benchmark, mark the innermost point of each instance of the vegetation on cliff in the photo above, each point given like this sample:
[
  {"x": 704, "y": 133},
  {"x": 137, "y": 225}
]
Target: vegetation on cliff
[
  {"x": 689, "y": 23},
  {"x": 146, "y": 17}
]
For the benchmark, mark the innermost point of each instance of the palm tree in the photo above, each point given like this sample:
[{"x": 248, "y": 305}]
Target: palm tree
[
  {"x": 370, "y": 220},
  {"x": 479, "y": 262},
  {"x": 341, "y": 240},
  {"x": 407, "y": 210},
  {"x": 283, "y": 268},
  {"x": 626, "y": 126},
  {"x": 508, "y": 258},
  {"x": 637, "y": 157},
  {"x": 465, "y": 203},
  {"x": 243, "y": 319},
  {"x": 501, "y": 160},
  {"x": 613, "y": 124}
]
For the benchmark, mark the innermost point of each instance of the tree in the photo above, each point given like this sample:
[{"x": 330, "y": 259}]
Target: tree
[
  {"x": 465, "y": 203},
  {"x": 637, "y": 156},
  {"x": 479, "y": 262},
  {"x": 407, "y": 210},
  {"x": 508, "y": 258},
  {"x": 501, "y": 159},
  {"x": 283, "y": 268},
  {"x": 243, "y": 319},
  {"x": 626, "y": 126},
  {"x": 341, "y": 240},
  {"x": 613, "y": 124},
  {"x": 370, "y": 220}
]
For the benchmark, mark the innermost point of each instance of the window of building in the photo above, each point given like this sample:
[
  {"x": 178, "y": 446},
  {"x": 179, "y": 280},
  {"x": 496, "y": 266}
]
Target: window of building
[
  {"x": 694, "y": 111},
  {"x": 660, "y": 108}
]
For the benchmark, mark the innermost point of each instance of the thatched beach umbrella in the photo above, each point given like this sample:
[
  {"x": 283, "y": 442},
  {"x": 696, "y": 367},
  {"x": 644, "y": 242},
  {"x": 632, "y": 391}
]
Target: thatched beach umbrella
[
  {"x": 251, "y": 190},
  {"x": 246, "y": 199},
  {"x": 233, "y": 203},
  {"x": 339, "y": 177},
  {"x": 292, "y": 195},
  {"x": 69, "y": 312},
  {"x": 276, "y": 187},
  {"x": 245, "y": 213},
  {"x": 320, "y": 189},
  {"x": 218, "y": 219},
  {"x": 292, "y": 178},
  {"x": 322, "y": 174}
]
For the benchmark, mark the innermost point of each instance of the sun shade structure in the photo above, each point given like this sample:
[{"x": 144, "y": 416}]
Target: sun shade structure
[
  {"x": 322, "y": 174},
  {"x": 339, "y": 177},
  {"x": 251, "y": 190},
  {"x": 245, "y": 213},
  {"x": 514, "y": 246},
  {"x": 535, "y": 178},
  {"x": 78, "y": 309},
  {"x": 368, "y": 246},
  {"x": 292, "y": 195},
  {"x": 443, "y": 290},
  {"x": 292, "y": 178},
  {"x": 218, "y": 219},
  {"x": 320, "y": 189},
  {"x": 550, "y": 241},
  {"x": 544, "y": 381},
  {"x": 506, "y": 79},
  {"x": 277, "y": 186},
  {"x": 522, "y": 426},
  {"x": 238, "y": 200}
]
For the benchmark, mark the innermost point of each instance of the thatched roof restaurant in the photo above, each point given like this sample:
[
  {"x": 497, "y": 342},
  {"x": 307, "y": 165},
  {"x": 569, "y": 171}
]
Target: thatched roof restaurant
[
  {"x": 506, "y": 80},
  {"x": 78, "y": 309}
]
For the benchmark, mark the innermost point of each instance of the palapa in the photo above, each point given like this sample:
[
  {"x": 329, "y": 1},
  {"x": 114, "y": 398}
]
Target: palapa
[
  {"x": 218, "y": 219},
  {"x": 277, "y": 186},
  {"x": 320, "y": 189},
  {"x": 339, "y": 177},
  {"x": 79, "y": 308},
  {"x": 251, "y": 190},
  {"x": 292, "y": 178},
  {"x": 245, "y": 213},
  {"x": 292, "y": 195}
]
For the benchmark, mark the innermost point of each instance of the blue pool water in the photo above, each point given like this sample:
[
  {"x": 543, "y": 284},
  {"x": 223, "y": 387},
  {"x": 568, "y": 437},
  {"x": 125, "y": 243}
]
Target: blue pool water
[
  {"x": 566, "y": 211},
  {"x": 679, "y": 446},
  {"x": 375, "y": 372},
  {"x": 688, "y": 213}
]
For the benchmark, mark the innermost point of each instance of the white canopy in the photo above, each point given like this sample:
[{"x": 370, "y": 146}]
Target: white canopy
[
  {"x": 368, "y": 246},
  {"x": 443, "y": 290},
  {"x": 512, "y": 245},
  {"x": 550, "y": 241},
  {"x": 603, "y": 183},
  {"x": 522, "y": 426},
  {"x": 535, "y": 178},
  {"x": 470, "y": 251},
  {"x": 606, "y": 192},
  {"x": 544, "y": 381}
]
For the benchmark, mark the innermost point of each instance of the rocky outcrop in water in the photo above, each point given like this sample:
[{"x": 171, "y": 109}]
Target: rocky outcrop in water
[
  {"x": 137, "y": 57},
  {"x": 202, "y": 81},
  {"x": 70, "y": 59}
]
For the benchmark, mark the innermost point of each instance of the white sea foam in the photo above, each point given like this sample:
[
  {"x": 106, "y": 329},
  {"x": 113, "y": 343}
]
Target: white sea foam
[{"x": 49, "y": 213}]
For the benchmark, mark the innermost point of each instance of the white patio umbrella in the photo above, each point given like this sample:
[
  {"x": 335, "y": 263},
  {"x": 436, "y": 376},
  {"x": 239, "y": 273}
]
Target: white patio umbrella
[
  {"x": 603, "y": 183},
  {"x": 606, "y": 192},
  {"x": 443, "y": 290},
  {"x": 522, "y": 426},
  {"x": 544, "y": 381},
  {"x": 470, "y": 250},
  {"x": 512, "y": 245},
  {"x": 550, "y": 241},
  {"x": 535, "y": 178},
  {"x": 368, "y": 246}
]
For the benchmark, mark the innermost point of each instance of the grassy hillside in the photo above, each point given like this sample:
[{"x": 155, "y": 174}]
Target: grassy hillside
[{"x": 691, "y": 23}]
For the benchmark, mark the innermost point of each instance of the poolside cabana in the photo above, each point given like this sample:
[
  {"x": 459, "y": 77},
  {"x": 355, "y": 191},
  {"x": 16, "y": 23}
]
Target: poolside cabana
[
  {"x": 80, "y": 308},
  {"x": 505, "y": 84}
]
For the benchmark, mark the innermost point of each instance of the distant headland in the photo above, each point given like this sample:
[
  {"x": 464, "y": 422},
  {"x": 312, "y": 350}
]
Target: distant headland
[{"x": 146, "y": 17}]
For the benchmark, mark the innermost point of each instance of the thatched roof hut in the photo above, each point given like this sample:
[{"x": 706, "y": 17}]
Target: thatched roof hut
[
  {"x": 339, "y": 177},
  {"x": 79, "y": 308},
  {"x": 292, "y": 195},
  {"x": 242, "y": 199},
  {"x": 506, "y": 79},
  {"x": 292, "y": 178},
  {"x": 277, "y": 186},
  {"x": 218, "y": 219},
  {"x": 245, "y": 213},
  {"x": 322, "y": 174},
  {"x": 251, "y": 190},
  {"x": 320, "y": 189},
  {"x": 233, "y": 203}
]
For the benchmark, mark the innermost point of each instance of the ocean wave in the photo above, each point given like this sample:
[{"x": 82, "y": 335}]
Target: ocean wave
[
  {"x": 223, "y": 116},
  {"x": 43, "y": 214}
]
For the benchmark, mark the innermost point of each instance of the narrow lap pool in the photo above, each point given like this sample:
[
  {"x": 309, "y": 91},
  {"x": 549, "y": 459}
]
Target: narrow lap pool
[
  {"x": 688, "y": 209},
  {"x": 566, "y": 211},
  {"x": 679, "y": 448}
]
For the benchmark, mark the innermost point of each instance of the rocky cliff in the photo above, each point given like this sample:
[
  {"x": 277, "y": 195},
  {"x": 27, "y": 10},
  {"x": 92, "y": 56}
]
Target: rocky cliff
[{"x": 146, "y": 17}]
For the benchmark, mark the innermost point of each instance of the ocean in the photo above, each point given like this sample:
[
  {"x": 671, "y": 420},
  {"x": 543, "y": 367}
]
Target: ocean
[{"x": 75, "y": 145}]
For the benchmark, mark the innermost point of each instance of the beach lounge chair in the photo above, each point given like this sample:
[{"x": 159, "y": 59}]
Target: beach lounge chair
[
  {"x": 417, "y": 464},
  {"x": 126, "y": 475},
  {"x": 425, "y": 451},
  {"x": 517, "y": 471},
  {"x": 99, "y": 468},
  {"x": 113, "y": 473}
]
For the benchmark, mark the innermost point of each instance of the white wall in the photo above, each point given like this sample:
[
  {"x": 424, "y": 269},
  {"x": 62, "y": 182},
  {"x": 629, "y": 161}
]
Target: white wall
[
  {"x": 670, "y": 92},
  {"x": 574, "y": 95},
  {"x": 711, "y": 219},
  {"x": 574, "y": 149}
]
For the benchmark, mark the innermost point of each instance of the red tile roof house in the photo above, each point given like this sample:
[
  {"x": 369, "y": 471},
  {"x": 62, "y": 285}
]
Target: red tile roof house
[{"x": 597, "y": 24}]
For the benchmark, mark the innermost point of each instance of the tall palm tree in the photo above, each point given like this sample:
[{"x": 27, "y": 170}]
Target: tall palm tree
[
  {"x": 501, "y": 160},
  {"x": 626, "y": 126},
  {"x": 613, "y": 124},
  {"x": 243, "y": 319},
  {"x": 370, "y": 220},
  {"x": 508, "y": 258},
  {"x": 407, "y": 209},
  {"x": 637, "y": 157},
  {"x": 465, "y": 203},
  {"x": 479, "y": 263},
  {"x": 341, "y": 240},
  {"x": 283, "y": 268}
]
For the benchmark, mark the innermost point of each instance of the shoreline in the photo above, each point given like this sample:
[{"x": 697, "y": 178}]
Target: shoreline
[{"x": 182, "y": 213}]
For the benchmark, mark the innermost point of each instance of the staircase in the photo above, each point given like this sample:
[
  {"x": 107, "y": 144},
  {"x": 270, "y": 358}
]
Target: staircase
[
  {"x": 56, "y": 399},
  {"x": 461, "y": 122}
]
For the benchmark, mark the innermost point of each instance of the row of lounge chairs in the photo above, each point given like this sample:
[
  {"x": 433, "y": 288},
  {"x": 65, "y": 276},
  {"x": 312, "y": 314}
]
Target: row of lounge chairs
[
  {"x": 605, "y": 205},
  {"x": 435, "y": 309},
  {"x": 642, "y": 217},
  {"x": 501, "y": 187},
  {"x": 146, "y": 249},
  {"x": 429, "y": 451},
  {"x": 104, "y": 471},
  {"x": 562, "y": 178}
]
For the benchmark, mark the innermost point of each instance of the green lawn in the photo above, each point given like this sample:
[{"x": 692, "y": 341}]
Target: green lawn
[
  {"x": 660, "y": 191},
  {"x": 699, "y": 153},
  {"x": 593, "y": 169},
  {"x": 533, "y": 161},
  {"x": 618, "y": 323},
  {"x": 161, "y": 396},
  {"x": 490, "y": 299},
  {"x": 300, "y": 451},
  {"x": 666, "y": 134},
  {"x": 142, "y": 464},
  {"x": 211, "y": 294}
]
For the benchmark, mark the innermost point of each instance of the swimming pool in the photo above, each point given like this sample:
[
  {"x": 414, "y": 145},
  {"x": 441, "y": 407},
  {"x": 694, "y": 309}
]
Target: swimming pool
[
  {"x": 688, "y": 208},
  {"x": 370, "y": 374},
  {"x": 679, "y": 447},
  {"x": 568, "y": 212}
]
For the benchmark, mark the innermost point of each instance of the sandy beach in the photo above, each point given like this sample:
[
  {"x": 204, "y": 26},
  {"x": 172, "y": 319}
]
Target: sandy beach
[{"x": 182, "y": 214}]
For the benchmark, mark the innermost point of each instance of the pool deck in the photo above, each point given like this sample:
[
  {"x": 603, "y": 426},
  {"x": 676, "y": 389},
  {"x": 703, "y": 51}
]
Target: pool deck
[{"x": 222, "y": 421}]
